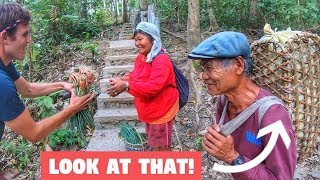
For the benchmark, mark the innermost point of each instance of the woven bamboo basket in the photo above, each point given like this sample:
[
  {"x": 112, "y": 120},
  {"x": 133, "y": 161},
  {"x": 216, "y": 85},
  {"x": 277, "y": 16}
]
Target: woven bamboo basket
[{"x": 292, "y": 72}]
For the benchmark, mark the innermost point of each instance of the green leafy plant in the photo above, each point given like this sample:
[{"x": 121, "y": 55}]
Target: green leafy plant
[
  {"x": 93, "y": 48},
  {"x": 16, "y": 153},
  {"x": 198, "y": 143},
  {"x": 64, "y": 139},
  {"x": 44, "y": 105}
]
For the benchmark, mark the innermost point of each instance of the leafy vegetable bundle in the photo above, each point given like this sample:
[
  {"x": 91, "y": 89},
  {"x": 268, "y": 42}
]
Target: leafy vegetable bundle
[
  {"x": 82, "y": 78},
  {"x": 130, "y": 134}
]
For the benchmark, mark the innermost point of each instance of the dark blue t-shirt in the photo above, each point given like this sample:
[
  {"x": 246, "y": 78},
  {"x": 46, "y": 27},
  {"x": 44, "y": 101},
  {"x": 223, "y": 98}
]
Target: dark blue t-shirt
[{"x": 11, "y": 105}]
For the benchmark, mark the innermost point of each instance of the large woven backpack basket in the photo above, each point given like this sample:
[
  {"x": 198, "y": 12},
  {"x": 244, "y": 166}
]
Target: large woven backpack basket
[{"x": 291, "y": 71}]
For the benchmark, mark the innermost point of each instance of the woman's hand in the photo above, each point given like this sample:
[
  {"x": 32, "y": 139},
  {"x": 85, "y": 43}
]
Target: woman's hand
[{"x": 117, "y": 87}]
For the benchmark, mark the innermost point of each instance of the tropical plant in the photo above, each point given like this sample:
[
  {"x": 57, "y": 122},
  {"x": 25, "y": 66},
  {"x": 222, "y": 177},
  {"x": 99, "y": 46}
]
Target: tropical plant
[
  {"x": 16, "y": 153},
  {"x": 64, "y": 139}
]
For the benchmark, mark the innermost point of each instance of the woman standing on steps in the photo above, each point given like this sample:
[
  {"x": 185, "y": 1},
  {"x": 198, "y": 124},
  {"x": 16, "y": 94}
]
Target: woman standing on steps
[{"x": 153, "y": 85}]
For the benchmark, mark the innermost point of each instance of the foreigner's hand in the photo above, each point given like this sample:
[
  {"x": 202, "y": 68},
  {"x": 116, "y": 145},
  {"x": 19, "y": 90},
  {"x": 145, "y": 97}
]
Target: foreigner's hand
[
  {"x": 80, "y": 103},
  {"x": 67, "y": 86},
  {"x": 218, "y": 145}
]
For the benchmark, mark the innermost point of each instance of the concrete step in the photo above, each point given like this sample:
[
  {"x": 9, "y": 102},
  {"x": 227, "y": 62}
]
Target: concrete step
[
  {"x": 105, "y": 117},
  {"x": 117, "y": 51},
  {"x": 108, "y": 139},
  {"x": 126, "y": 33},
  {"x": 104, "y": 85},
  {"x": 116, "y": 60},
  {"x": 127, "y": 25},
  {"x": 125, "y": 36},
  {"x": 122, "y": 100},
  {"x": 121, "y": 57},
  {"x": 127, "y": 29},
  {"x": 122, "y": 44},
  {"x": 116, "y": 71}
]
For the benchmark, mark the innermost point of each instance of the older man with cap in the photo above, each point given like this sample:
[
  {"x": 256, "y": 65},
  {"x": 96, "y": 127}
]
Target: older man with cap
[{"x": 227, "y": 66}]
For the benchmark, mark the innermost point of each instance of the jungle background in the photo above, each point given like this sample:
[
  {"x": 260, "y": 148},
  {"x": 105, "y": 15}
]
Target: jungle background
[{"x": 66, "y": 33}]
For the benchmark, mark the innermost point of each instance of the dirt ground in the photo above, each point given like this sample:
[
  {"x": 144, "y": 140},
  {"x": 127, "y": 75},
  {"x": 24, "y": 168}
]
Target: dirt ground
[{"x": 189, "y": 120}]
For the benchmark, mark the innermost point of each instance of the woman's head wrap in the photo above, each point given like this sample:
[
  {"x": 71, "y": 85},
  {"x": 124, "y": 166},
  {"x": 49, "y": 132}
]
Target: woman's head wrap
[{"x": 154, "y": 32}]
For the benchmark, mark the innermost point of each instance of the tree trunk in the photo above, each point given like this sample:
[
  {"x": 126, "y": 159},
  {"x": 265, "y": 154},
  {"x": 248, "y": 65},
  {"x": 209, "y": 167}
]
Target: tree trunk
[
  {"x": 116, "y": 10},
  {"x": 143, "y": 5},
  {"x": 117, "y": 7},
  {"x": 84, "y": 9},
  {"x": 124, "y": 12},
  {"x": 193, "y": 24},
  {"x": 214, "y": 26},
  {"x": 177, "y": 13},
  {"x": 253, "y": 13},
  {"x": 104, "y": 4}
]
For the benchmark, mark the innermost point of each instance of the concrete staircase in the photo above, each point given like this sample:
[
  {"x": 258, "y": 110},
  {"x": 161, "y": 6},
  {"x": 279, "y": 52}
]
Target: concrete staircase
[
  {"x": 112, "y": 110},
  {"x": 126, "y": 31}
]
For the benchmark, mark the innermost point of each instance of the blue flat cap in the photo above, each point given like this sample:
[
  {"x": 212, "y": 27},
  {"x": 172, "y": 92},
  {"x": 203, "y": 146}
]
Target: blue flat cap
[{"x": 222, "y": 45}]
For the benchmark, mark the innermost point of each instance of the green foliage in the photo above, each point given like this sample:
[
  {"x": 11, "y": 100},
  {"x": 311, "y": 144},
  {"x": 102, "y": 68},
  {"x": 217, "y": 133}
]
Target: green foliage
[
  {"x": 30, "y": 58},
  {"x": 169, "y": 12},
  {"x": 196, "y": 65},
  {"x": 77, "y": 27},
  {"x": 44, "y": 105},
  {"x": 93, "y": 48},
  {"x": 133, "y": 4},
  {"x": 64, "y": 139},
  {"x": 17, "y": 151},
  {"x": 297, "y": 14},
  {"x": 198, "y": 143},
  {"x": 102, "y": 18},
  {"x": 60, "y": 23},
  {"x": 232, "y": 14},
  {"x": 235, "y": 14}
]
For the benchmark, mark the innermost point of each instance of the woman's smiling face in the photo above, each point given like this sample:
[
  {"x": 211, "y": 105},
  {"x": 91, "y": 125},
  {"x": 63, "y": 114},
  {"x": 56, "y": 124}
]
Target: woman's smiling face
[{"x": 143, "y": 43}]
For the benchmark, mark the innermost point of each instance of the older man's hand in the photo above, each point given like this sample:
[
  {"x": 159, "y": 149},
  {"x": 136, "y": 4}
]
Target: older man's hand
[{"x": 218, "y": 145}]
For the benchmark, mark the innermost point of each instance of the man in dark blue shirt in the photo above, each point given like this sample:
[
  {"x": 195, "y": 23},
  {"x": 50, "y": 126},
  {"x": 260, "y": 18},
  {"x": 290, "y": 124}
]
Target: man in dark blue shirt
[{"x": 14, "y": 39}]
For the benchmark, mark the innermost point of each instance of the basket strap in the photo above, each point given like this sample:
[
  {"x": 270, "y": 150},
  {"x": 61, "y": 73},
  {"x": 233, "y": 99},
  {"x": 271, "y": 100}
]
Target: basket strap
[
  {"x": 264, "y": 107},
  {"x": 232, "y": 125}
]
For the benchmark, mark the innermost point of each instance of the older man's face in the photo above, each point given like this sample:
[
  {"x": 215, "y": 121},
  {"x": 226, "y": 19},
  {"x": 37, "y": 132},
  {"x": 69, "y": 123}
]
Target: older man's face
[{"x": 218, "y": 78}]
